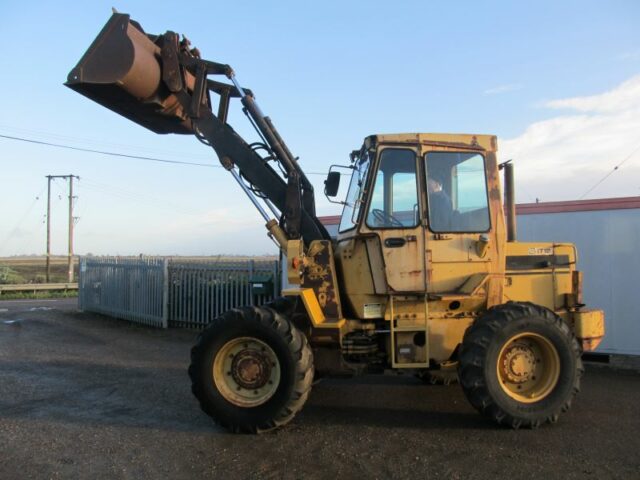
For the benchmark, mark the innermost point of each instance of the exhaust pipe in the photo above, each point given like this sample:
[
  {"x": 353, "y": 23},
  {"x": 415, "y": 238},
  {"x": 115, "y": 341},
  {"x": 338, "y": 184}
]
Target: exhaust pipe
[
  {"x": 131, "y": 73},
  {"x": 510, "y": 201}
]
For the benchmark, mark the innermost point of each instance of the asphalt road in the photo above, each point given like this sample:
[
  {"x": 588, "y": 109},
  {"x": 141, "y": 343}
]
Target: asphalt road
[
  {"x": 16, "y": 306},
  {"x": 85, "y": 396}
]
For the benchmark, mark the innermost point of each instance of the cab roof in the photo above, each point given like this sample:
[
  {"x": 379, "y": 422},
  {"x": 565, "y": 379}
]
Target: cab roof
[{"x": 454, "y": 140}]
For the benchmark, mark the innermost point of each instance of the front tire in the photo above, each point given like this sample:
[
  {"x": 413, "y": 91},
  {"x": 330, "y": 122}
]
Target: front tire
[
  {"x": 251, "y": 370},
  {"x": 520, "y": 365}
]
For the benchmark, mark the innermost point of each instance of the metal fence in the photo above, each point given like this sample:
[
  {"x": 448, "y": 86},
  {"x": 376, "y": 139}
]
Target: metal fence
[
  {"x": 133, "y": 289},
  {"x": 200, "y": 292},
  {"x": 165, "y": 292}
]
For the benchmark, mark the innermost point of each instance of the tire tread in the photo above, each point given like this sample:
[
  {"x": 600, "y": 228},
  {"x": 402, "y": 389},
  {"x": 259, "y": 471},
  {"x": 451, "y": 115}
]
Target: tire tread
[
  {"x": 475, "y": 343},
  {"x": 297, "y": 345}
]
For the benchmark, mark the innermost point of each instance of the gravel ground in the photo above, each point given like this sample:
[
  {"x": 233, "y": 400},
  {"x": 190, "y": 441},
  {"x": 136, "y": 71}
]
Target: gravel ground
[{"x": 85, "y": 396}]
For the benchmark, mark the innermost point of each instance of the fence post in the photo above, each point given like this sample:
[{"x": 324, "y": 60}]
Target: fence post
[
  {"x": 165, "y": 293},
  {"x": 81, "y": 289},
  {"x": 276, "y": 279},
  {"x": 249, "y": 284}
]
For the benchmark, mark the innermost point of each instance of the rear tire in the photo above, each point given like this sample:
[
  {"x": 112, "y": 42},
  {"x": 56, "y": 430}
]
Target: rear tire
[
  {"x": 520, "y": 365},
  {"x": 251, "y": 370}
]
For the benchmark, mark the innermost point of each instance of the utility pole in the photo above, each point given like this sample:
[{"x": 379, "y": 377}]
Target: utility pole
[
  {"x": 71, "y": 223},
  {"x": 48, "y": 275},
  {"x": 70, "y": 259}
]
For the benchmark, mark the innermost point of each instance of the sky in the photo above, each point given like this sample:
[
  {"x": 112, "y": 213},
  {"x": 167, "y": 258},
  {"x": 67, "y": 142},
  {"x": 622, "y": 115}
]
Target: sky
[{"x": 557, "y": 82}]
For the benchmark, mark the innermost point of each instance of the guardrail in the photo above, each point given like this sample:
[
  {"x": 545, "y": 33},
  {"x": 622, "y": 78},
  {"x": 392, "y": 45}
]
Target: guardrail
[{"x": 37, "y": 287}]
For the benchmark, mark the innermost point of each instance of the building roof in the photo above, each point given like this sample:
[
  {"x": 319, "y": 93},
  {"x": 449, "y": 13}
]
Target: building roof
[{"x": 620, "y": 203}]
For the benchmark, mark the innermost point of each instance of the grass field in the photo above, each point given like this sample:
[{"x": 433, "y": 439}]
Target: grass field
[{"x": 32, "y": 269}]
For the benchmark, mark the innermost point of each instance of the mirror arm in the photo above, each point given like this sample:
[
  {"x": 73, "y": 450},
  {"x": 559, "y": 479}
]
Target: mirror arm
[{"x": 346, "y": 167}]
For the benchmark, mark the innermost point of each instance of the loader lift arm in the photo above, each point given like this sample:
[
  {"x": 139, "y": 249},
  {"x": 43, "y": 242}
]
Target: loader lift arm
[{"x": 161, "y": 83}]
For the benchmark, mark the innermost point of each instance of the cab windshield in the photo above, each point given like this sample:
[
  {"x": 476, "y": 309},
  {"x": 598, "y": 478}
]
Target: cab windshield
[{"x": 355, "y": 197}]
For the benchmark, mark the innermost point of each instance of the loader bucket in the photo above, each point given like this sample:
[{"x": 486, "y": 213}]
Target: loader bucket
[{"x": 122, "y": 71}]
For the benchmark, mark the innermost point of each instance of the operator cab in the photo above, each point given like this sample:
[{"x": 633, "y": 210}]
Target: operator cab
[
  {"x": 454, "y": 185},
  {"x": 422, "y": 216}
]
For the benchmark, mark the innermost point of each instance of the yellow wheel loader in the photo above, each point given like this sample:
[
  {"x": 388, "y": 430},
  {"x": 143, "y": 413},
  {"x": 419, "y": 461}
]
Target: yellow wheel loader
[{"x": 425, "y": 274}]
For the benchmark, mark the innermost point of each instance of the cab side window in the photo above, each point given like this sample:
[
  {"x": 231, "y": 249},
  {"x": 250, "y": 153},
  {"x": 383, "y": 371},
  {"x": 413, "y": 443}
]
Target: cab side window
[
  {"x": 394, "y": 202},
  {"x": 457, "y": 192}
]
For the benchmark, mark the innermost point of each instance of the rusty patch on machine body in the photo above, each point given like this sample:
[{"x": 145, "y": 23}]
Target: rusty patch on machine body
[{"x": 319, "y": 274}]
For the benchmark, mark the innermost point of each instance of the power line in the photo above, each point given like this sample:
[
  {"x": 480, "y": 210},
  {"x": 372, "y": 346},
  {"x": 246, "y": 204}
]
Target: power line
[
  {"x": 113, "y": 154},
  {"x": 136, "y": 197},
  {"x": 15, "y": 229},
  {"x": 610, "y": 173},
  {"x": 116, "y": 154},
  {"x": 60, "y": 189},
  {"x": 101, "y": 144}
]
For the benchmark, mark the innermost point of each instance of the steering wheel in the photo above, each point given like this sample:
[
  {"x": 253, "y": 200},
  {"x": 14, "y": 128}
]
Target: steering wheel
[{"x": 386, "y": 219}]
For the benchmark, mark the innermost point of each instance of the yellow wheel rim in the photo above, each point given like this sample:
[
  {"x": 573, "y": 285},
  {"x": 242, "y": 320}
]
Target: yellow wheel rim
[
  {"x": 528, "y": 367},
  {"x": 246, "y": 371}
]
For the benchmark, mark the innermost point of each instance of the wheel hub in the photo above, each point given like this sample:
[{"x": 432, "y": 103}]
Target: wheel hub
[
  {"x": 528, "y": 367},
  {"x": 246, "y": 371},
  {"x": 250, "y": 369},
  {"x": 519, "y": 363}
]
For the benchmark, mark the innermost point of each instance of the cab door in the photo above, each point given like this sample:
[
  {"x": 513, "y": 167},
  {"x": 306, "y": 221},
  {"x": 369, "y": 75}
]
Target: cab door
[
  {"x": 393, "y": 215},
  {"x": 460, "y": 240}
]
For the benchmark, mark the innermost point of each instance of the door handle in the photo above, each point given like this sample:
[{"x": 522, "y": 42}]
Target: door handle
[{"x": 394, "y": 242}]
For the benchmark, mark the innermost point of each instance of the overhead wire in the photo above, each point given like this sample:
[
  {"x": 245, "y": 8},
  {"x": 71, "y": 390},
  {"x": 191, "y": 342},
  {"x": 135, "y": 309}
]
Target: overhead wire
[
  {"x": 62, "y": 193},
  {"x": 97, "y": 143},
  {"x": 15, "y": 229},
  {"x": 616, "y": 168},
  {"x": 117, "y": 154},
  {"x": 102, "y": 152},
  {"x": 133, "y": 196}
]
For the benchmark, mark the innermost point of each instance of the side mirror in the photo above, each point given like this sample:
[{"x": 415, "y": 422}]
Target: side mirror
[{"x": 331, "y": 184}]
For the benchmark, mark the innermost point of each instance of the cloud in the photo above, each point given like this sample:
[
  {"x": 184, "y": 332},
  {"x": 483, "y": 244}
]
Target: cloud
[
  {"x": 630, "y": 55},
  {"x": 510, "y": 87},
  {"x": 562, "y": 157},
  {"x": 624, "y": 97}
]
